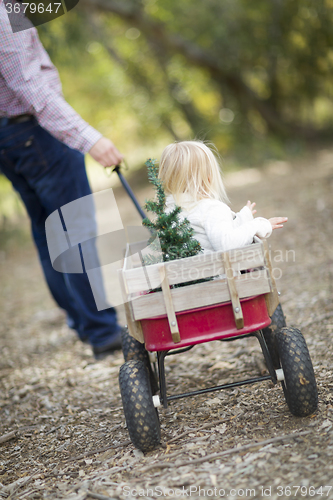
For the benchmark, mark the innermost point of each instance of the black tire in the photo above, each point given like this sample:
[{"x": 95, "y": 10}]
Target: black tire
[
  {"x": 299, "y": 385},
  {"x": 141, "y": 416},
  {"x": 133, "y": 349},
  {"x": 278, "y": 322}
]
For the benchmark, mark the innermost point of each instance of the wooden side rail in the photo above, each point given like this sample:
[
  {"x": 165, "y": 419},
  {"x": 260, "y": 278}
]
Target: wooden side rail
[
  {"x": 229, "y": 284},
  {"x": 272, "y": 298},
  {"x": 234, "y": 297},
  {"x": 173, "y": 323},
  {"x": 200, "y": 295},
  {"x": 200, "y": 266},
  {"x": 134, "y": 327}
]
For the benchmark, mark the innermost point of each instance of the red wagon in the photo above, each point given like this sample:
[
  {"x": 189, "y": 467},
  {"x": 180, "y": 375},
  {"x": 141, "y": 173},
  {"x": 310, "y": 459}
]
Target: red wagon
[{"x": 172, "y": 306}]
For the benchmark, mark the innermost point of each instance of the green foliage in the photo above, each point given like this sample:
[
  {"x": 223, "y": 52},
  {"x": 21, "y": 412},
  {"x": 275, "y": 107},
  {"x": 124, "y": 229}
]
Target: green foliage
[
  {"x": 101, "y": 87},
  {"x": 249, "y": 76},
  {"x": 174, "y": 232}
]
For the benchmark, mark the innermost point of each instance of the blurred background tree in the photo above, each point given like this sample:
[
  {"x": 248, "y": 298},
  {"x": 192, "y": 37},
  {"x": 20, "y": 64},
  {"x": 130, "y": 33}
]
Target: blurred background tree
[{"x": 253, "y": 78}]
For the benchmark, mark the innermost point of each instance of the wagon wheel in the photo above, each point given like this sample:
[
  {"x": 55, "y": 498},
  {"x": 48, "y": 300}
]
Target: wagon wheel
[
  {"x": 133, "y": 349},
  {"x": 299, "y": 385},
  {"x": 140, "y": 414},
  {"x": 278, "y": 322}
]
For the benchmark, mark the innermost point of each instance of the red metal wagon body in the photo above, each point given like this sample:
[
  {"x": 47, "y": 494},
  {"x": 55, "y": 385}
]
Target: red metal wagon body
[
  {"x": 205, "y": 324},
  {"x": 172, "y": 306}
]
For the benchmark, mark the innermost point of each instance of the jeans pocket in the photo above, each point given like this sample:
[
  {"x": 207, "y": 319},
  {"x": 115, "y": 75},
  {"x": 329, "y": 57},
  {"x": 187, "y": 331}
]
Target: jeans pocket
[{"x": 25, "y": 159}]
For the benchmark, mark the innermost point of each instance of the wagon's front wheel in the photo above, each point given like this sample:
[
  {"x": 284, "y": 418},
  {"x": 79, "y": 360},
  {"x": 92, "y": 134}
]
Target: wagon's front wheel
[
  {"x": 140, "y": 413},
  {"x": 278, "y": 322},
  {"x": 133, "y": 349},
  {"x": 299, "y": 383}
]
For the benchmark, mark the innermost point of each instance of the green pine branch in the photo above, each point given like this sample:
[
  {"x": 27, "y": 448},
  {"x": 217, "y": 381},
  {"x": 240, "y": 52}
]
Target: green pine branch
[{"x": 175, "y": 233}]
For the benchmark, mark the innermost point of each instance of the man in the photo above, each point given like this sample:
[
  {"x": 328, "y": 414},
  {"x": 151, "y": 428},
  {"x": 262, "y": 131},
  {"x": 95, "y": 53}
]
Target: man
[{"x": 42, "y": 142}]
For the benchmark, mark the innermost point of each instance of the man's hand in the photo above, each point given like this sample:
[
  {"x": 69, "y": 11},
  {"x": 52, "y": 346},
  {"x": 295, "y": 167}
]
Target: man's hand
[
  {"x": 106, "y": 153},
  {"x": 277, "y": 222}
]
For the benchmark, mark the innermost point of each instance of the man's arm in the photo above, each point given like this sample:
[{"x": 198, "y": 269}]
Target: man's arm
[{"x": 20, "y": 66}]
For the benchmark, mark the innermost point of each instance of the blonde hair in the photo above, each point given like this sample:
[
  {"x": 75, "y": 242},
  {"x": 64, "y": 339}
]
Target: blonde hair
[{"x": 191, "y": 167}]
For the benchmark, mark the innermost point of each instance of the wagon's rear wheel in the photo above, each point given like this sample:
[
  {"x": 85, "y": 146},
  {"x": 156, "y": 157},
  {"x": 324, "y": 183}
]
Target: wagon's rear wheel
[
  {"x": 278, "y": 322},
  {"x": 133, "y": 349},
  {"x": 140, "y": 413},
  {"x": 299, "y": 385}
]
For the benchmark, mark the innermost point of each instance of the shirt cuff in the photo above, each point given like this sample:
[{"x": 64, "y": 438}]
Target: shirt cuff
[
  {"x": 264, "y": 227},
  {"x": 88, "y": 138}
]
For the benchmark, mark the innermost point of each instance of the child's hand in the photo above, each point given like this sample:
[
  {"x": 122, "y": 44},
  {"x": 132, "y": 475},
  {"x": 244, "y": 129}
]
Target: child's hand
[
  {"x": 251, "y": 207},
  {"x": 277, "y": 222}
]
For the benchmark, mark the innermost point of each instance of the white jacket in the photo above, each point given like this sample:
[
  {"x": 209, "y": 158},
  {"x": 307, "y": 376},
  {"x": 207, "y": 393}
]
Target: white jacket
[{"x": 216, "y": 227}]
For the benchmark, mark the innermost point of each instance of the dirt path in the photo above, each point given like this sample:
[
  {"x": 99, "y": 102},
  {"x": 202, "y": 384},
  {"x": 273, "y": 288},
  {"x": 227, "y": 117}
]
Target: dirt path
[{"x": 63, "y": 410}]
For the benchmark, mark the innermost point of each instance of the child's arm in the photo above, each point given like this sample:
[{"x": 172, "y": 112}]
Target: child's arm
[
  {"x": 246, "y": 214},
  {"x": 225, "y": 233}
]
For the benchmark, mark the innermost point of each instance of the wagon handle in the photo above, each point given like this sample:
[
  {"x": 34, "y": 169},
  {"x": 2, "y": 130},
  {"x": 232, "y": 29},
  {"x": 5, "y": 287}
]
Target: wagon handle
[{"x": 129, "y": 191}]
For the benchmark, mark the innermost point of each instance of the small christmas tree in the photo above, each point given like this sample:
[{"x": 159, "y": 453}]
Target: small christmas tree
[{"x": 174, "y": 232}]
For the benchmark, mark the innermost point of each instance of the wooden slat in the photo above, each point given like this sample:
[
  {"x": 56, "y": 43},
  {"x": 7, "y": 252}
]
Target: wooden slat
[
  {"x": 134, "y": 327},
  {"x": 193, "y": 268},
  {"x": 200, "y": 294},
  {"x": 272, "y": 298},
  {"x": 173, "y": 323},
  {"x": 236, "y": 305}
]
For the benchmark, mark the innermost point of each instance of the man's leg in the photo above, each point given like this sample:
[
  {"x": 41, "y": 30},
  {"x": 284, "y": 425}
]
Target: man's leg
[
  {"x": 49, "y": 175},
  {"x": 55, "y": 281}
]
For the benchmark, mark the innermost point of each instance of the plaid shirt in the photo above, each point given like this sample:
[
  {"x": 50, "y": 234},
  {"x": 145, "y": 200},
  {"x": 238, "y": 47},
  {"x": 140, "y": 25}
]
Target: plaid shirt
[{"x": 29, "y": 83}]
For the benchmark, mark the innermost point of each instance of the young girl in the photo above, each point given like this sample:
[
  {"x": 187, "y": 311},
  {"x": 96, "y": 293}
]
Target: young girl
[{"x": 192, "y": 179}]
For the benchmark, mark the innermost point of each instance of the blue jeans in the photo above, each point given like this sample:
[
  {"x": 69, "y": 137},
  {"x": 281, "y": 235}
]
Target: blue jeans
[{"x": 47, "y": 174}]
